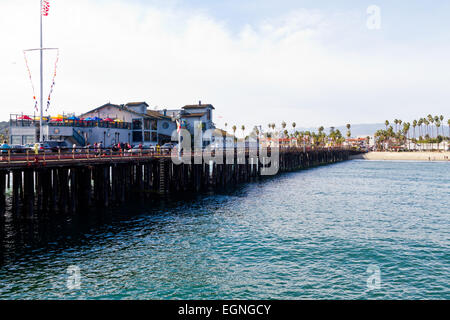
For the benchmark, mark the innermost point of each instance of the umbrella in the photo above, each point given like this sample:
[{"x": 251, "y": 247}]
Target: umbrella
[
  {"x": 108, "y": 120},
  {"x": 57, "y": 120},
  {"x": 59, "y": 117},
  {"x": 24, "y": 118},
  {"x": 96, "y": 119},
  {"x": 89, "y": 119},
  {"x": 73, "y": 118},
  {"x": 38, "y": 118},
  {"x": 118, "y": 120}
]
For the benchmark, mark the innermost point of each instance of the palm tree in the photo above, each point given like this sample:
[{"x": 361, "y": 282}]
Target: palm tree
[
  {"x": 386, "y": 123},
  {"x": 243, "y": 131},
  {"x": 256, "y": 131},
  {"x": 426, "y": 123},
  {"x": 414, "y": 131},
  {"x": 349, "y": 134},
  {"x": 441, "y": 118},
  {"x": 431, "y": 120},
  {"x": 234, "y": 129},
  {"x": 420, "y": 123},
  {"x": 406, "y": 128},
  {"x": 438, "y": 124},
  {"x": 436, "y": 120},
  {"x": 283, "y": 125},
  {"x": 448, "y": 122}
]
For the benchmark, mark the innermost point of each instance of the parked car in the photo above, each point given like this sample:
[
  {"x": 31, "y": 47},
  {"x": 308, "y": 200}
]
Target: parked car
[
  {"x": 43, "y": 147},
  {"x": 137, "y": 149},
  {"x": 55, "y": 145},
  {"x": 169, "y": 146},
  {"x": 17, "y": 148}
]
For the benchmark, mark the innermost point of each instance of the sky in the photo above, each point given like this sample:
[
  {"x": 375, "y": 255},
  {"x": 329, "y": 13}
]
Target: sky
[{"x": 310, "y": 62}]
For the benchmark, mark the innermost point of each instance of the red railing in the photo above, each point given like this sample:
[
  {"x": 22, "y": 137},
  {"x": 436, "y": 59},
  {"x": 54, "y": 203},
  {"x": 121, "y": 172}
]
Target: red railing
[{"x": 30, "y": 156}]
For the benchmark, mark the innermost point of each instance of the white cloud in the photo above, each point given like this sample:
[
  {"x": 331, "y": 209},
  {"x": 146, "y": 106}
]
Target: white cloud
[{"x": 307, "y": 66}]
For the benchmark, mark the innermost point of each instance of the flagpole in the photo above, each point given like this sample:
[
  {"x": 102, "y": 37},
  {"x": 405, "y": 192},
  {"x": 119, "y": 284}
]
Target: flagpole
[{"x": 41, "y": 138}]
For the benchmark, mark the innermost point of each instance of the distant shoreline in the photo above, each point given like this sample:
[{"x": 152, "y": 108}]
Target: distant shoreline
[{"x": 412, "y": 156}]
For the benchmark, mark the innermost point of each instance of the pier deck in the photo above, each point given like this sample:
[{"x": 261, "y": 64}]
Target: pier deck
[{"x": 70, "y": 182}]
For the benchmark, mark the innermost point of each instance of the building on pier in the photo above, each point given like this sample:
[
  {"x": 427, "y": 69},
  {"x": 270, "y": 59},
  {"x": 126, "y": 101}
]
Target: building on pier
[
  {"x": 110, "y": 123},
  {"x": 192, "y": 114}
]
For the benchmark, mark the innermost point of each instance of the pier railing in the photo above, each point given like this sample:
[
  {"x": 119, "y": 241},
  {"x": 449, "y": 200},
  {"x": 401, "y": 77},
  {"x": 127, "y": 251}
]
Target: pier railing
[{"x": 28, "y": 157}]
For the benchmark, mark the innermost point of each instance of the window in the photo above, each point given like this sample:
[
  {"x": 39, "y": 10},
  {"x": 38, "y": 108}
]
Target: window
[
  {"x": 137, "y": 136},
  {"x": 154, "y": 137},
  {"x": 154, "y": 125},
  {"x": 16, "y": 140},
  {"x": 165, "y": 125},
  {"x": 28, "y": 139},
  {"x": 137, "y": 124},
  {"x": 147, "y": 136},
  {"x": 146, "y": 124}
]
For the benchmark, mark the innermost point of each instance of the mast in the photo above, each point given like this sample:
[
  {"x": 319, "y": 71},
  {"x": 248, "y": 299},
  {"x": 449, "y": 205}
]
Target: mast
[{"x": 41, "y": 130}]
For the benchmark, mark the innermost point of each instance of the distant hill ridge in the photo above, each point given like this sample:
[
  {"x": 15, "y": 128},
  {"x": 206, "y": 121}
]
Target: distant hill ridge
[{"x": 357, "y": 130}]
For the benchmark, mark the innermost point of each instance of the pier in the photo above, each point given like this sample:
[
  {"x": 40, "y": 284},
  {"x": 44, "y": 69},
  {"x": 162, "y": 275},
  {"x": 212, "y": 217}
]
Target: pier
[{"x": 73, "y": 182}]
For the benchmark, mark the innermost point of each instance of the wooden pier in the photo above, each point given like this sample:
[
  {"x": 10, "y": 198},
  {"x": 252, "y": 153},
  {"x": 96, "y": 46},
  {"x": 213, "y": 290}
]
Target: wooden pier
[{"x": 73, "y": 184}]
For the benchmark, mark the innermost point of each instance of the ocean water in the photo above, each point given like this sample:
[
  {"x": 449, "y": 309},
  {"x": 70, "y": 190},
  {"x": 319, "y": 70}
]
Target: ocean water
[{"x": 306, "y": 235}]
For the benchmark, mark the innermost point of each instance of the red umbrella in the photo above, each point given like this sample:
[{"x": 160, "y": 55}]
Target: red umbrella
[
  {"x": 108, "y": 120},
  {"x": 57, "y": 120},
  {"x": 24, "y": 118}
]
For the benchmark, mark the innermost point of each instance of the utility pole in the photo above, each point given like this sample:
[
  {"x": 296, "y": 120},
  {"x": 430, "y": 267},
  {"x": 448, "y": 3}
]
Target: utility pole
[{"x": 41, "y": 50}]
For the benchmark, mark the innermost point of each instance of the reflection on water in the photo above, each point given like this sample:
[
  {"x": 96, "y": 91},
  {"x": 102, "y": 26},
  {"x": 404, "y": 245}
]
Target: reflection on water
[{"x": 309, "y": 234}]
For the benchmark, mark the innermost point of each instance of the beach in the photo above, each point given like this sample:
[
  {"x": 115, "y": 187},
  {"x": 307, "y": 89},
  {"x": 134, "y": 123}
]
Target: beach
[{"x": 412, "y": 156}]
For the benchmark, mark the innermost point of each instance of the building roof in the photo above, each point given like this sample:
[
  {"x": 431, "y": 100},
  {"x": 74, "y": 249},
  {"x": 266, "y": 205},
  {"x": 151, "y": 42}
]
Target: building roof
[
  {"x": 132, "y": 104},
  {"x": 199, "y": 106},
  {"x": 193, "y": 115},
  {"x": 157, "y": 114},
  {"x": 150, "y": 114}
]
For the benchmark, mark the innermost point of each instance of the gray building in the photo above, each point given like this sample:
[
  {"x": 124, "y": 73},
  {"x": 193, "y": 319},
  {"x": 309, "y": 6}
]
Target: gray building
[
  {"x": 111, "y": 123},
  {"x": 131, "y": 123}
]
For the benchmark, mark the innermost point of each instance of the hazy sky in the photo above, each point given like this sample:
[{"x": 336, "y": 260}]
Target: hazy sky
[{"x": 313, "y": 62}]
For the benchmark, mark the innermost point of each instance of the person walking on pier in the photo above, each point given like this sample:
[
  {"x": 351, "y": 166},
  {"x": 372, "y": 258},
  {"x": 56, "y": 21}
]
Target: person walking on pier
[
  {"x": 36, "y": 152},
  {"x": 100, "y": 148},
  {"x": 5, "y": 148},
  {"x": 95, "y": 149}
]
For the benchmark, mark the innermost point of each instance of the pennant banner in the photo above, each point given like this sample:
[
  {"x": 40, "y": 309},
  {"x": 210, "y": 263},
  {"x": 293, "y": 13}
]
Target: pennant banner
[
  {"x": 31, "y": 81},
  {"x": 53, "y": 80},
  {"x": 45, "y": 7}
]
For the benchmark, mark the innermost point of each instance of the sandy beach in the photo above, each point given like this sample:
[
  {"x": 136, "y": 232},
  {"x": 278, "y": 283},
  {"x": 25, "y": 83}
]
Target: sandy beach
[{"x": 412, "y": 156}]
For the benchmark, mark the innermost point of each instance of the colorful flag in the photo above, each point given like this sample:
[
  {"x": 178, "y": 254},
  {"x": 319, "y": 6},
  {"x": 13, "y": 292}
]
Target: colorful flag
[
  {"x": 45, "y": 7},
  {"x": 178, "y": 126}
]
